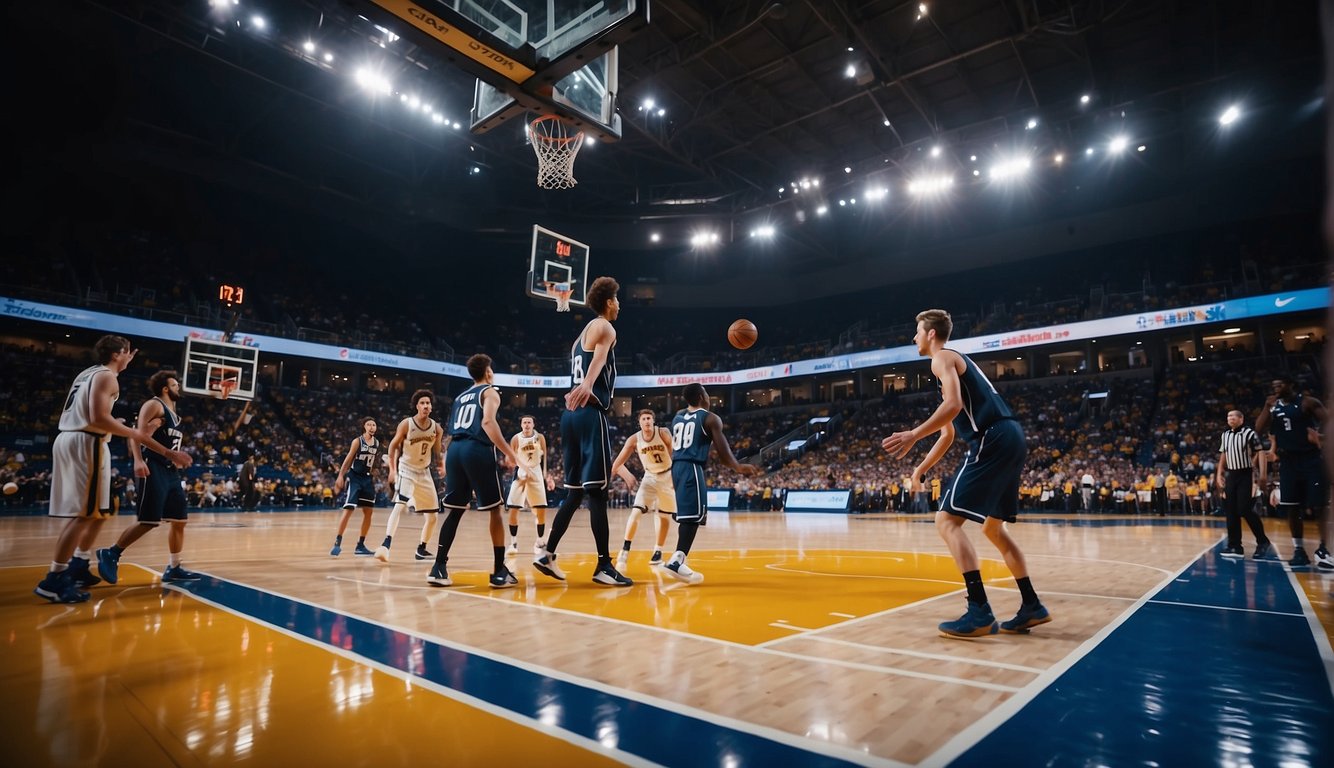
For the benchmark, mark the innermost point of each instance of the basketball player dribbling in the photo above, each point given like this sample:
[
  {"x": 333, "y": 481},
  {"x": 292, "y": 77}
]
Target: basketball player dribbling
[
  {"x": 416, "y": 441},
  {"x": 653, "y": 444},
  {"x": 583, "y": 434},
  {"x": 530, "y": 484},
  {"x": 986, "y": 487}
]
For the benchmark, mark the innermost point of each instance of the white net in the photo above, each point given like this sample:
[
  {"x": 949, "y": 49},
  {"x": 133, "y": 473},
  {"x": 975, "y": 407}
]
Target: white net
[
  {"x": 556, "y": 145},
  {"x": 563, "y": 292}
]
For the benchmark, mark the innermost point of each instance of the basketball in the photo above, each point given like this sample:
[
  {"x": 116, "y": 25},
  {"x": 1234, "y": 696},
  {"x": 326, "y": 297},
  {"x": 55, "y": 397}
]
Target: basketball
[
  {"x": 11, "y": 488},
  {"x": 742, "y": 334}
]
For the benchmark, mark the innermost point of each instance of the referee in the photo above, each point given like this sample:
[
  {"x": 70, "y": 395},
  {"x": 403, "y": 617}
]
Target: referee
[{"x": 1238, "y": 455}]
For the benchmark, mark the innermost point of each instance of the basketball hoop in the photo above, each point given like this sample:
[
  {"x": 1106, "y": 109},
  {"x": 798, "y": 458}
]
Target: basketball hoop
[
  {"x": 556, "y": 144},
  {"x": 225, "y": 388},
  {"x": 562, "y": 292}
]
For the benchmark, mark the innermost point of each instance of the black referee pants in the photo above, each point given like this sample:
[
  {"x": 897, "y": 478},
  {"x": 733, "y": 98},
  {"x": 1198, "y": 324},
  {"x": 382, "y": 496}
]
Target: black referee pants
[{"x": 1237, "y": 504}]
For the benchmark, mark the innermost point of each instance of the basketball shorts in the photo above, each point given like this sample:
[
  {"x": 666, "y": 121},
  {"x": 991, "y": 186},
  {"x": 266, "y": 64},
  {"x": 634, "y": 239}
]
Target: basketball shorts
[
  {"x": 530, "y": 490},
  {"x": 656, "y": 492},
  {"x": 417, "y": 487},
  {"x": 471, "y": 469},
  {"x": 1301, "y": 479},
  {"x": 80, "y": 476},
  {"x": 587, "y": 446},
  {"x": 360, "y": 492},
  {"x": 691, "y": 492},
  {"x": 987, "y": 483},
  {"x": 161, "y": 495}
]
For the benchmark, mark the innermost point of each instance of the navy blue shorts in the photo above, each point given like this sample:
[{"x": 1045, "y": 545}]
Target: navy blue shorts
[
  {"x": 987, "y": 483},
  {"x": 1301, "y": 479},
  {"x": 360, "y": 492},
  {"x": 587, "y": 447},
  {"x": 471, "y": 468},
  {"x": 161, "y": 496},
  {"x": 692, "y": 504}
]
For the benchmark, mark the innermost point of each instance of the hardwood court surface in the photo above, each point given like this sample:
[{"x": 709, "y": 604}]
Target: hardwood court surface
[{"x": 812, "y": 641}]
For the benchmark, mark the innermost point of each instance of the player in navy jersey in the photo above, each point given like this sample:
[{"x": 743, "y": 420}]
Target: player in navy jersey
[
  {"x": 358, "y": 471},
  {"x": 472, "y": 470},
  {"x": 986, "y": 487},
  {"x": 160, "y": 493},
  {"x": 584, "y": 437},
  {"x": 1294, "y": 421},
  {"x": 694, "y": 431}
]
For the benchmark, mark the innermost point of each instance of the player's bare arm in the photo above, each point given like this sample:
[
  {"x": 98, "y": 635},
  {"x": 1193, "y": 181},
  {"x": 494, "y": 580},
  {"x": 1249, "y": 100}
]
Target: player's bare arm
[
  {"x": 714, "y": 426},
  {"x": 347, "y": 465},
  {"x": 945, "y": 366},
  {"x": 149, "y": 413},
  {"x": 618, "y": 466},
  {"x": 551, "y": 482},
  {"x": 490, "y": 405},
  {"x": 602, "y": 336},
  {"x": 395, "y": 448},
  {"x": 106, "y": 388},
  {"x": 439, "y": 449}
]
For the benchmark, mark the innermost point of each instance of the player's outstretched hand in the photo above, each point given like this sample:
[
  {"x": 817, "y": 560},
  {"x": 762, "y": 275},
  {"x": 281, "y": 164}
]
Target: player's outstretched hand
[{"x": 898, "y": 444}]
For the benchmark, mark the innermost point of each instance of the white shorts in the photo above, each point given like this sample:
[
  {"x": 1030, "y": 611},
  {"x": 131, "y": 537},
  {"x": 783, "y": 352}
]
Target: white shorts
[
  {"x": 80, "y": 476},
  {"x": 532, "y": 489},
  {"x": 656, "y": 492},
  {"x": 416, "y": 487}
]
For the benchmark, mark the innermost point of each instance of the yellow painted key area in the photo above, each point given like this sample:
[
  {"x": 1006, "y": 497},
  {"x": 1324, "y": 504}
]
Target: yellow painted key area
[
  {"x": 147, "y": 676},
  {"x": 749, "y": 596}
]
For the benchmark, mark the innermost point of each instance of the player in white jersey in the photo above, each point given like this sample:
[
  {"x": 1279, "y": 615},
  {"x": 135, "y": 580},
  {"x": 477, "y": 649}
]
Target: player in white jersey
[
  {"x": 530, "y": 484},
  {"x": 81, "y": 468},
  {"x": 417, "y": 442},
  {"x": 653, "y": 444}
]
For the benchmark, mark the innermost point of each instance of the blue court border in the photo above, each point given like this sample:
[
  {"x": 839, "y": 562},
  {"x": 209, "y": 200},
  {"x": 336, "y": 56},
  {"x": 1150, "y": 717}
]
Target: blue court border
[
  {"x": 643, "y": 730},
  {"x": 1196, "y": 676}
]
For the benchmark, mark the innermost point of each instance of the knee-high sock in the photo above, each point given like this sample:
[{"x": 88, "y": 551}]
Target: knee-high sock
[
  {"x": 397, "y": 512},
  {"x": 597, "y": 517},
  {"x": 448, "y": 530},
  {"x": 685, "y": 537},
  {"x": 563, "y": 516}
]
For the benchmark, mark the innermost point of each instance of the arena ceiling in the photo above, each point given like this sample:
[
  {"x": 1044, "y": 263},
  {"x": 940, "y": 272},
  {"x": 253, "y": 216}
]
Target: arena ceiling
[{"x": 754, "y": 96}]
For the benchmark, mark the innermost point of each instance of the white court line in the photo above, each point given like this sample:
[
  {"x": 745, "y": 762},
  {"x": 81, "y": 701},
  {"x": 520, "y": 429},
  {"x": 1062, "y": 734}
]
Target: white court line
[
  {"x": 1318, "y": 630},
  {"x": 983, "y": 726},
  {"x": 806, "y": 572},
  {"x": 925, "y": 655},
  {"x": 842, "y": 615},
  {"x": 781, "y": 624},
  {"x": 1071, "y": 594},
  {"x": 1100, "y": 560},
  {"x": 1224, "y": 608},
  {"x": 867, "y": 617},
  {"x": 810, "y": 745}
]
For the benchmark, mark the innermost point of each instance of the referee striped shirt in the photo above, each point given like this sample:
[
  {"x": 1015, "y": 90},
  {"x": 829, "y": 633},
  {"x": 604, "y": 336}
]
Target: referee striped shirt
[{"x": 1238, "y": 447}]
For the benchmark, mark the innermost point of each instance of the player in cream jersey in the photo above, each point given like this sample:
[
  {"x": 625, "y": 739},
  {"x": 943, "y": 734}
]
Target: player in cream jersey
[
  {"x": 653, "y": 445},
  {"x": 417, "y": 442},
  {"x": 530, "y": 484}
]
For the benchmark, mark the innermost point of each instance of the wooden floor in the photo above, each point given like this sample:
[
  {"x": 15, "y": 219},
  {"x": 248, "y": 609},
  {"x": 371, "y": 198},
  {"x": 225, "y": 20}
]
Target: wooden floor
[{"x": 812, "y": 641}]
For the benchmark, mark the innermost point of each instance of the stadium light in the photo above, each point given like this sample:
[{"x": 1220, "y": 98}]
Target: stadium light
[
  {"x": 1118, "y": 144},
  {"x": 1229, "y": 115},
  {"x": 1010, "y": 168},
  {"x": 930, "y": 185},
  {"x": 764, "y": 230}
]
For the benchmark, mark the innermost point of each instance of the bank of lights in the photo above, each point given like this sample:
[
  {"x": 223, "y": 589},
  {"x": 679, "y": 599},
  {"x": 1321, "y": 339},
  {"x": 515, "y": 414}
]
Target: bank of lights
[
  {"x": 765, "y": 231},
  {"x": 704, "y": 239},
  {"x": 1010, "y": 169},
  {"x": 930, "y": 185}
]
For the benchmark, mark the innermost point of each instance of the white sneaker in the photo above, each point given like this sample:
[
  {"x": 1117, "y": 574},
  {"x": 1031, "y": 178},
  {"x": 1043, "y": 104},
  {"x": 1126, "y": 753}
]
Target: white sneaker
[
  {"x": 621, "y": 560},
  {"x": 514, "y": 548},
  {"x": 682, "y": 572},
  {"x": 382, "y": 554},
  {"x": 539, "y": 548},
  {"x": 547, "y": 564}
]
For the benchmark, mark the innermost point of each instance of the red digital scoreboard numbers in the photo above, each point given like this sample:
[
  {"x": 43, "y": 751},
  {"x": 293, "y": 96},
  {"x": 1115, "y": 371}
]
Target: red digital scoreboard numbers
[{"x": 231, "y": 295}]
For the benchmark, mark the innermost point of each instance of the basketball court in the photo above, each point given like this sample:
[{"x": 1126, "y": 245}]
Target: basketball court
[{"x": 812, "y": 641}]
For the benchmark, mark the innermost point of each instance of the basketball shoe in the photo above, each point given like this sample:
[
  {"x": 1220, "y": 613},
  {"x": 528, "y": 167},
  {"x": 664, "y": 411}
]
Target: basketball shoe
[
  {"x": 362, "y": 550},
  {"x": 108, "y": 564},
  {"x": 977, "y": 621},
  {"x": 622, "y": 560},
  {"x": 59, "y": 588},
  {"x": 1029, "y": 616},
  {"x": 439, "y": 576},
  {"x": 177, "y": 573},
  {"x": 607, "y": 575},
  {"x": 78, "y": 569},
  {"x": 503, "y": 579},
  {"x": 423, "y": 553},
  {"x": 545, "y": 562},
  {"x": 1299, "y": 559},
  {"x": 1323, "y": 560}
]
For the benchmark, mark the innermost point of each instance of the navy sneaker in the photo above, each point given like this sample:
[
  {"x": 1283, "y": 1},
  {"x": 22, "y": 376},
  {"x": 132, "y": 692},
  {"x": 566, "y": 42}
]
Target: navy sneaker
[
  {"x": 423, "y": 553},
  {"x": 1233, "y": 553},
  {"x": 657, "y": 557},
  {"x": 59, "y": 588},
  {"x": 439, "y": 576},
  {"x": 177, "y": 573},
  {"x": 1029, "y": 616},
  {"x": 1263, "y": 550},
  {"x": 82, "y": 577},
  {"x": 607, "y": 575},
  {"x": 362, "y": 551},
  {"x": 108, "y": 564},
  {"x": 1299, "y": 559},
  {"x": 977, "y": 621},
  {"x": 337, "y": 549},
  {"x": 503, "y": 579}
]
